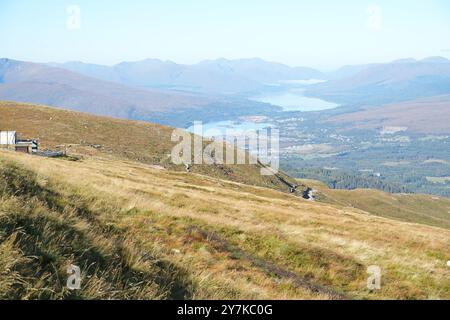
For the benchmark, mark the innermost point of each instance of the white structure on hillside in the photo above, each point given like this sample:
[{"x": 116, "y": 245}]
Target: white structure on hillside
[{"x": 8, "y": 138}]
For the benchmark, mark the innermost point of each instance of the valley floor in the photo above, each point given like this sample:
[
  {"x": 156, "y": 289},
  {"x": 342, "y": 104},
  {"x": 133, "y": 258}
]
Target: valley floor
[{"x": 138, "y": 231}]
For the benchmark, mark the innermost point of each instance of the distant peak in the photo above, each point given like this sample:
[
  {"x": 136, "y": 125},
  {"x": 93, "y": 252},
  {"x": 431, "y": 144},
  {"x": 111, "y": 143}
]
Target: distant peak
[
  {"x": 436, "y": 59},
  {"x": 144, "y": 61},
  {"x": 254, "y": 59},
  {"x": 406, "y": 60},
  {"x": 218, "y": 60},
  {"x": 74, "y": 62},
  {"x": 151, "y": 60}
]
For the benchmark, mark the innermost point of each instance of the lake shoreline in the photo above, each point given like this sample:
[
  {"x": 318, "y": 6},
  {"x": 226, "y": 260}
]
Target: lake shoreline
[{"x": 293, "y": 99}]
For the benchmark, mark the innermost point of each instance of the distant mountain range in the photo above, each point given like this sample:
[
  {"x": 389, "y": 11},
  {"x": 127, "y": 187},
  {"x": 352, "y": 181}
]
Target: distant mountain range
[
  {"x": 38, "y": 83},
  {"x": 376, "y": 84},
  {"x": 370, "y": 84},
  {"x": 175, "y": 94},
  {"x": 218, "y": 76}
]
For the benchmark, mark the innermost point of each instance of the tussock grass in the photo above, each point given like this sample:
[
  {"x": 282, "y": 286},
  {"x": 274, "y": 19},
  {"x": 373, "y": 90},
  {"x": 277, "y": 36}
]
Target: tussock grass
[
  {"x": 207, "y": 238},
  {"x": 42, "y": 232},
  {"x": 419, "y": 208}
]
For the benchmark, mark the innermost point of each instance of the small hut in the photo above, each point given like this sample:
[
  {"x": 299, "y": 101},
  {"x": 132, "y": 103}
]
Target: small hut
[
  {"x": 10, "y": 140},
  {"x": 24, "y": 147}
]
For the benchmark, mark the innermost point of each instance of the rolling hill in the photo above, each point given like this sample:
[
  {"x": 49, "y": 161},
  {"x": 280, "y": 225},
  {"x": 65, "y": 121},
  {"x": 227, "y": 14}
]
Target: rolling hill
[
  {"x": 139, "y": 228},
  {"x": 135, "y": 140},
  {"x": 138, "y": 232},
  {"x": 43, "y": 84},
  {"x": 376, "y": 84},
  {"x": 38, "y": 83},
  {"x": 426, "y": 115},
  {"x": 426, "y": 209}
]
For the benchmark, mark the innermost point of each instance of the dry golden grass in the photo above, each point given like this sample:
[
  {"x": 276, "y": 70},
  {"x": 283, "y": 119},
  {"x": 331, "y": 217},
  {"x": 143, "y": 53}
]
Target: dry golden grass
[
  {"x": 88, "y": 134},
  {"x": 419, "y": 208},
  {"x": 43, "y": 231},
  {"x": 241, "y": 241}
]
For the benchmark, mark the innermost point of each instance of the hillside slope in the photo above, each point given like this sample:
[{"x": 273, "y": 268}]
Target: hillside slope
[
  {"x": 382, "y": 83},
  {"x": 43, "y": 84},
  {"x": 87, "y": 134},
  {"x": 38, "y": 83},
  {"x": 139, "y": 227},
  {"x": 140, "y": 232},
  {"x": 418, "y": 208},
  {"x": 42, "y": 232},
  {"x": 427, "y": 115}
]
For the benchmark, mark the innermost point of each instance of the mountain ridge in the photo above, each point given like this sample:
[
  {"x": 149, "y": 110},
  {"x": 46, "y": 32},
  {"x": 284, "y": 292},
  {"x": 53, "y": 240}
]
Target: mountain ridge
[
  {"x": 218, "y": 75},
  {"x": 42, "y": 84},
  {"x": 380, "y": 83},
  {"x": 73, "y": 90}
]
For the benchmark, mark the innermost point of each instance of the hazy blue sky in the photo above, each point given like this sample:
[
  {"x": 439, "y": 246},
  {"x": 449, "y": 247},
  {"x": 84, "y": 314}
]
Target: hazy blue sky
[{"x": 322, "y": 34}]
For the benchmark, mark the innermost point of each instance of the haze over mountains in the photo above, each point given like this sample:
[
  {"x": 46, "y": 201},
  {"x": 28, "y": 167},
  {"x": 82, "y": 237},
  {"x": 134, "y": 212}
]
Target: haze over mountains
[
  {"x": 44, "y": 84},
  {"x": 426, "y": 116},
  {"x": 174, "y": 94},
  {"x": 220, "y": 76},
  {"x": 376, "y": 84},
  {"x": 38, "y": 83},
  {"x": 371, "y": 84}
]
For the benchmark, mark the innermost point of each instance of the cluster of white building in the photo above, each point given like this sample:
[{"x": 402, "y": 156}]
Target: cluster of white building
[
  {"x": 8, "y": 137},
  {"x": 9, "y": 140}
]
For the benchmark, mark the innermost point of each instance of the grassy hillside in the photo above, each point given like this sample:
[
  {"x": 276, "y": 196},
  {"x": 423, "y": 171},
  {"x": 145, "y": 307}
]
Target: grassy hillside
[
  {"x": 41, "y": 231},
  {"x": 142, "y": 232},
  {"x": 427, "y": 115},
  {"x": 87, "y": 134},
  {"x": 418, "y": 208},
  {"x": 140, "y": 227}
]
